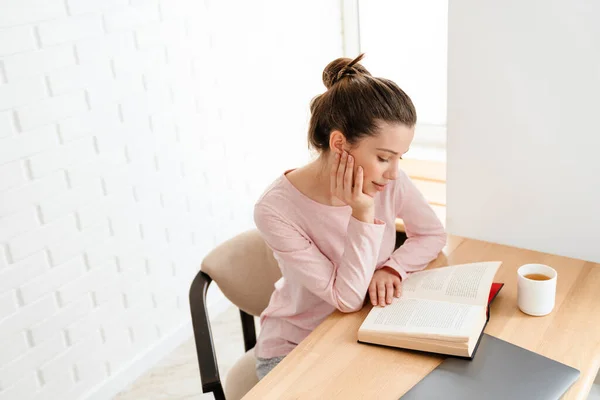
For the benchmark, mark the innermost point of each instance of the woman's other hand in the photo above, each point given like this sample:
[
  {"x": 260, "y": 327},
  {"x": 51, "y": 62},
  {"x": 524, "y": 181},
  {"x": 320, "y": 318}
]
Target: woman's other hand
[{"x": 384, "y": 286}]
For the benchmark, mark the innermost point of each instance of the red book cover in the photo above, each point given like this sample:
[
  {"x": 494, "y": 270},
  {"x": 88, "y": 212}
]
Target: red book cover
[{"x": 496, "y": 286}]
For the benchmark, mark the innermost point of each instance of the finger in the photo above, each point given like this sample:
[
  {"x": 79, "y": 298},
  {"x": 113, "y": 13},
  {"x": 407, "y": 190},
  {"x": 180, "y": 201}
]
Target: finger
[
  {"x": 381, "y": 293},
  {"x": 348, "y": 177},
  {"x": 398, "y": 287},
  {"x": 334, "y": 168},
  {"x": 340, "y": 174},
  {"x": 389, "y": 292},
  {"x": 358, "y": 182},
  {"x": 373, "y": 293}
]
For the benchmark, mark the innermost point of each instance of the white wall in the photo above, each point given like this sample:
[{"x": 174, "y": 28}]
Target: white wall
[
  {"x": 134, "y": 137},
  {"x": 523, "y": 130}
]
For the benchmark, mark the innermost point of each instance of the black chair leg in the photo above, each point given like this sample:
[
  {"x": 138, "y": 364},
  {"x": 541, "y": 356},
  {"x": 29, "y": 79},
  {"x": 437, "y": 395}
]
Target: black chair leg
[
  {"x": 205, "y": 349},
  {"x": 248, "y": 330},
  {"x": 219, "y": 395}
]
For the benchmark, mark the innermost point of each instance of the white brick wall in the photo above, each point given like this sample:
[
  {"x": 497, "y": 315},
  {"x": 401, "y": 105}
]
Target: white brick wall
[
  {"x": 16, "y": 40},
  {"x": 135, "y": 135},
  {"x": 70, "y": 29},
  {"x": 37, "y": 62},
  {"x": 21, "y": 91}
]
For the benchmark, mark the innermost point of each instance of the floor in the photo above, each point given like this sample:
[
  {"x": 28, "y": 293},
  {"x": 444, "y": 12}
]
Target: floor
[
  {"x": 595, "y": 392},
  {"x": 177, "y": 376}
]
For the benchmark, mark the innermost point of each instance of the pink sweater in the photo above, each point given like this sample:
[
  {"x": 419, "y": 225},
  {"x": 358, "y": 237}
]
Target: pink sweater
[{"x": 327, "y": 257}]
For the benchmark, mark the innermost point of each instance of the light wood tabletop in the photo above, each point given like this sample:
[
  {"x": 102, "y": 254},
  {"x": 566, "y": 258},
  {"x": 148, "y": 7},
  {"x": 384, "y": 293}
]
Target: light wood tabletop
[{"x": 330, "y": 364}]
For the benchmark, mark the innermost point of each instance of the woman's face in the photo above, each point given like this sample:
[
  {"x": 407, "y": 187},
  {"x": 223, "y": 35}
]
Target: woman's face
[{"x": 379, "y": 155}]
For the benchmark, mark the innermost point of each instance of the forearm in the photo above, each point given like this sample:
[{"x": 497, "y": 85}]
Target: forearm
[
  {"x": 416, "y": 253},
  {"x": 357, "y": 265}
]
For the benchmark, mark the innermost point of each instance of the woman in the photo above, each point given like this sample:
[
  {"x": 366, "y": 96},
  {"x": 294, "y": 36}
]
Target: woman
[{"x": 331, "y": 223}]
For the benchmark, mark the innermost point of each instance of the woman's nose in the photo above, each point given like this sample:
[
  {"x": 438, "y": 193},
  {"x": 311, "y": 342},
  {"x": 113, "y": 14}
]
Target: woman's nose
[{"x": 392, "y": 173}]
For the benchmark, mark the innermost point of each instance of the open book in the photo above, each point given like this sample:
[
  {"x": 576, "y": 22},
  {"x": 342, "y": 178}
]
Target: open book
[{"x": 441, "y": 310}]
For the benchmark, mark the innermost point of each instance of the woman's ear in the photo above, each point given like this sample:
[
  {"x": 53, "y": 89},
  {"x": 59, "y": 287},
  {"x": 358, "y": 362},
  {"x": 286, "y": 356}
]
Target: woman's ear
[{"x": 337, "y": 141}]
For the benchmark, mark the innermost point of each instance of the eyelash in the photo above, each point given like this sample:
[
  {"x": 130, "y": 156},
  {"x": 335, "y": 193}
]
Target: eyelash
[{"x": 384, "y": 160}]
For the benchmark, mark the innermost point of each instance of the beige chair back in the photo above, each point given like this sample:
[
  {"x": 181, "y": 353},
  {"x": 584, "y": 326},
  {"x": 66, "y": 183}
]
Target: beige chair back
[{"x": 245, "y": 270}]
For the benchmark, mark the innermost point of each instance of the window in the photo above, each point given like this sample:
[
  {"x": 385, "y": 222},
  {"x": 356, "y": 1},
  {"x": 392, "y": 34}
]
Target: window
[{"x": 406, "y": 41}]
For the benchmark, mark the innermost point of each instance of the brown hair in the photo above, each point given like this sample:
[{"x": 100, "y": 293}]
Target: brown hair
[{"x": 354, "y": 103}]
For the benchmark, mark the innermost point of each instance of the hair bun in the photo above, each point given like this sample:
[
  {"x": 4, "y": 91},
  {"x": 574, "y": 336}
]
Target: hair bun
[{"x": 342, "y": 67}]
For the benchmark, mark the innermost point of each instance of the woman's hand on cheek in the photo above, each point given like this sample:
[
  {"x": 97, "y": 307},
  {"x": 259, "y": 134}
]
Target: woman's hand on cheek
[
  {"x": 385, "y": 285},
  {"x": 348, "y": 186}
]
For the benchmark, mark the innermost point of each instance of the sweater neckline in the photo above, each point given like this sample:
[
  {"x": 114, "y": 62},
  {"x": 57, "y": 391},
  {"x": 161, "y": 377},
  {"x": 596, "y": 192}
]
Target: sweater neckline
[{"x": 307, "y": 199}]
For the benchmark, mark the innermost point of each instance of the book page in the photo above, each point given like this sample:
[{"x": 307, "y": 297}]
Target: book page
[
  {"x": 465, "y": 283},
  {"x": 425, "y": 318}
]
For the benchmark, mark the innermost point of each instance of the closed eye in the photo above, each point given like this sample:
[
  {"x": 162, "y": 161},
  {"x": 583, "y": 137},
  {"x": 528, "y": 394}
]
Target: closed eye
[{"x": 384, "y": 160}]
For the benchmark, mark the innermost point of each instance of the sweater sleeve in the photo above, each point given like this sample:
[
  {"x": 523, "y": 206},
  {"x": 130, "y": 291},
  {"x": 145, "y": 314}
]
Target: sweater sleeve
[
  {"x": 425, "y": 233},
  {"x": 342, "y": 284}
]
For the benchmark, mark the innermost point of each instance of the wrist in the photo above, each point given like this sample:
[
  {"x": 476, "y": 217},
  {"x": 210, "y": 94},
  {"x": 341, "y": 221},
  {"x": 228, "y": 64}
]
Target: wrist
[
  {"x": 367, "y": 215},
  {"x": 392, "y": 271}
]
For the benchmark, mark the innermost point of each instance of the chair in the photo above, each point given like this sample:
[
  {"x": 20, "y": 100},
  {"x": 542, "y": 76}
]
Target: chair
[{"x": 245, "y": 270}]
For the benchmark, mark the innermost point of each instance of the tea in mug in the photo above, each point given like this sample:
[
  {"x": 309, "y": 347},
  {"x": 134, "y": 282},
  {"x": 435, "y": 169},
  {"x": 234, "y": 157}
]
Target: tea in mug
[{"x": 537, "y": 277}]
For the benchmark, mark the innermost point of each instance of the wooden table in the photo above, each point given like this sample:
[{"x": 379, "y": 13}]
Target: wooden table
[{"x": 330, "y": 364}]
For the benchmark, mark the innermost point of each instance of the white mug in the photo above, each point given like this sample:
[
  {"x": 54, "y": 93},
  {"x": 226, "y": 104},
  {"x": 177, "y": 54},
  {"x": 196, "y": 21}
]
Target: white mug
[{"x": 536, "y": 297}]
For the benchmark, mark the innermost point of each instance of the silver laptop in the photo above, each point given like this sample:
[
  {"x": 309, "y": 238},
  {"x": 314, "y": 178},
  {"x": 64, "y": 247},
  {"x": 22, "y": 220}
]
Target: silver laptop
[{"x": 499, "y": 370}]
